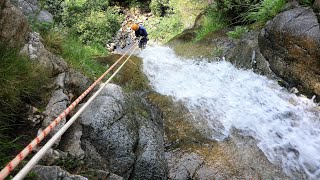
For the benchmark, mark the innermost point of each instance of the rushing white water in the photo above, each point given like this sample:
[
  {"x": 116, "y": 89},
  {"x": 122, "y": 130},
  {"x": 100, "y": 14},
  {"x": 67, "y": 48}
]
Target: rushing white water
[{"x": 286, "y": 127}]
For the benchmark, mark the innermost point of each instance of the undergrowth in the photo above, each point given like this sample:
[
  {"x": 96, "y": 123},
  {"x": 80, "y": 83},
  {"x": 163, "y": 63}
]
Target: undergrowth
[
  {"x": 79, "y": 56},
  {"x": 262, "y": 12},
  {"x": 162, "y": 29},
  {"x": 213, "y": 21},
  {"x": 21, "y": 82}
]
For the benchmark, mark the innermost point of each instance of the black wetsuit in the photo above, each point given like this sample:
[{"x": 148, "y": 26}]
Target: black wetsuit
[{"x": 143, "y": 33}]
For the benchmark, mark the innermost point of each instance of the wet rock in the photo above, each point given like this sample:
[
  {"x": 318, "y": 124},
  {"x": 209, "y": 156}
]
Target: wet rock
[
  {"x": 150, "y": 162},
  {"x": 246, "y": 54},
  {"x": 14, "y": 27},
  {"x": 291, "y": 42},
  {"x": 183, "y": 165},
  {"x": 122, "y": 140},
  {"x": 37, "y": 52},
  {"x": 112, "y": 133},
  {"x": 54, "y": 172}
]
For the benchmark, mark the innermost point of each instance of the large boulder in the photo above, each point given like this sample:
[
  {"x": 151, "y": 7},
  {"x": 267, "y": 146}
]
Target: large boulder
[
  {"x": 291, "y": 43},
  {"x": 14, "y": 27},
  {"x": 116, "y": 138}
]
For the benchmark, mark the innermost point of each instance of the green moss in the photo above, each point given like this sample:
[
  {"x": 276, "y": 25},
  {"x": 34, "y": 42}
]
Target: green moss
[
  {"x": 185, "y": 46},
  {"x": 130, "y": 76}
]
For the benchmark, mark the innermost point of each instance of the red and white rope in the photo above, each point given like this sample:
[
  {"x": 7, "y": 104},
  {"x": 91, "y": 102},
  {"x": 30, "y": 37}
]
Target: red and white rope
[{"x": 27, "y": 150}]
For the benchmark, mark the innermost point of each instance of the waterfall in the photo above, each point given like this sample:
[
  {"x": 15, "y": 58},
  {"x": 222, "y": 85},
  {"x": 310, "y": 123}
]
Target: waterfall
[{"x": 286, "y": 127}]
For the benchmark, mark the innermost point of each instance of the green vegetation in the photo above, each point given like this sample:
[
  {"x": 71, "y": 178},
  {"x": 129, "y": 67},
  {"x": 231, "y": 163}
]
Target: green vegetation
[
  {"x": 98, "y": 27},
  {"x": 172, "y": 17},
  {"x": 213, "y": 21},
  {"x": 82, "y": 57},
  {"x": 306, "y": 2},
  {"x": 238, "y": 32},
  {"x": 251, "y": 13},
  {"x": 21, "y": 82},
  {"x": 94, "y": 21},
  {"x": 164, "y": 28},
  {"x": 159, "y": 7},
  {"x": 262, "y": 12}
]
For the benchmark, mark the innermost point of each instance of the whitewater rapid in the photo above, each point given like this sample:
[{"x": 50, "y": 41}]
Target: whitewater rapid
[{"x": 286, "y": 127}]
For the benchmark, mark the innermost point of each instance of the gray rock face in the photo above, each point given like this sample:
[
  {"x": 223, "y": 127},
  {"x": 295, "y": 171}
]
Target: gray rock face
[
  {"x": 14, "y": 27},
  {"x": 30, "y": 8},
  {"x": 77, "y": 82},
  {"x": 37, "y": 52},
  {"x": 150, "y": 162},
  {"x": 110, "y": 131},
  {"x": 246, "y": 54},
  {"x": 54, "y": 172},
  {"x": 72, "y": 141},
  {"x": 27, "y": 7},
  {"x": 45, "y": 17},
  {"x": 57, "y": 104},
  {"x": 291, "y": 43},
  {"x": 183, "y": 165},
  {"x": 123, "y": 142}
]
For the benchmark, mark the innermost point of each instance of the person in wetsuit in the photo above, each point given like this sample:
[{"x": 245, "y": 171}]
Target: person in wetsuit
[{"x": 141, "y": 33}]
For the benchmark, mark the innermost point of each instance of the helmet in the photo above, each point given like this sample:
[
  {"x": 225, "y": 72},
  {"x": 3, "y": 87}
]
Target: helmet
[{"x": 135, "y": 27}]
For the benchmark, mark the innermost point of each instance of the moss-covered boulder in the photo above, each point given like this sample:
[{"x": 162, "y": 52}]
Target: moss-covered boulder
[{"x": 291, "y": 43}]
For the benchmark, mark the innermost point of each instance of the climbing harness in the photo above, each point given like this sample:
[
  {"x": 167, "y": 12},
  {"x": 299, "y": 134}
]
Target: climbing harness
[{"x": 27, "y": 150}]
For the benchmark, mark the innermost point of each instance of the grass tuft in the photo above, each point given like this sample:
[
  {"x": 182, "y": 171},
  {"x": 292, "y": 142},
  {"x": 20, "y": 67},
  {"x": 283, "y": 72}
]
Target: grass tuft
[
  {"x": 238, "y": 32},
  {"x": 213, "y": 21},
  {"x": 262, "y": 12},
  {"x": 21, "y": 82},
  {"x": 83, "y": 57}
]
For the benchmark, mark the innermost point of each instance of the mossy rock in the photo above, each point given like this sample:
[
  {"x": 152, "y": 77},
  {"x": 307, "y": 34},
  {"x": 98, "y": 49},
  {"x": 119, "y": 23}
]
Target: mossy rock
[{"x": 130, "y": 76}]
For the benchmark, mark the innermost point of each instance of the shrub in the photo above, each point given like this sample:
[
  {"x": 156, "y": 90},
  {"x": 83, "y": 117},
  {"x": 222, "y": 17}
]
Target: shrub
[
  {"x": 99, "y": 26},
  {"x": 53, "y": 40},
  {"x": 159, "y": 7},
  {"x": 94, "y": 21},
  {"x": 234, "y": 9},
  {"x": 39, "y": 26},
  {"x": 213, "y": 21},
  {"x": 238, "y": 32},
  {"x": 54, "y": 7},
  {"x": 306, "y": 2},
  {"x": 264, "y": 11},
  {"x": 165, "y": 28},
  {"x": 187, "y": 10}
]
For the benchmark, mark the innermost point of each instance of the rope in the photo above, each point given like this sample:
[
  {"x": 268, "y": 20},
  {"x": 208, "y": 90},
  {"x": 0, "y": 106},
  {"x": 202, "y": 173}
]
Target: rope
[
  {"x": 48, "y": 145},
  {"x": 27, "y": 150}
]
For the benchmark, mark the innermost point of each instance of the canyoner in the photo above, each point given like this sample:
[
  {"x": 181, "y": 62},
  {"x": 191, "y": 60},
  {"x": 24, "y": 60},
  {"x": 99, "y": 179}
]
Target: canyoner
[{"x": 141, "y": 35}]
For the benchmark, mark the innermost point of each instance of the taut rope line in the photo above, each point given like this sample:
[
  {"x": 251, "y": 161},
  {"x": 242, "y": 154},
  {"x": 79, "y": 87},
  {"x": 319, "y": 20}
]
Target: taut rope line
[{"x": 27, "y": 150}]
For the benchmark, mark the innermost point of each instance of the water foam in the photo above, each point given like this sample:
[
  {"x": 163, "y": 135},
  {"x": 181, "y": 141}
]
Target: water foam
[{"x": 287, "y": 127}]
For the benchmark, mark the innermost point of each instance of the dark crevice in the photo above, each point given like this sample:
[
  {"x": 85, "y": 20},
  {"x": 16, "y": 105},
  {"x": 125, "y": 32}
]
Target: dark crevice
[{"x": 306, "y": 31}]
